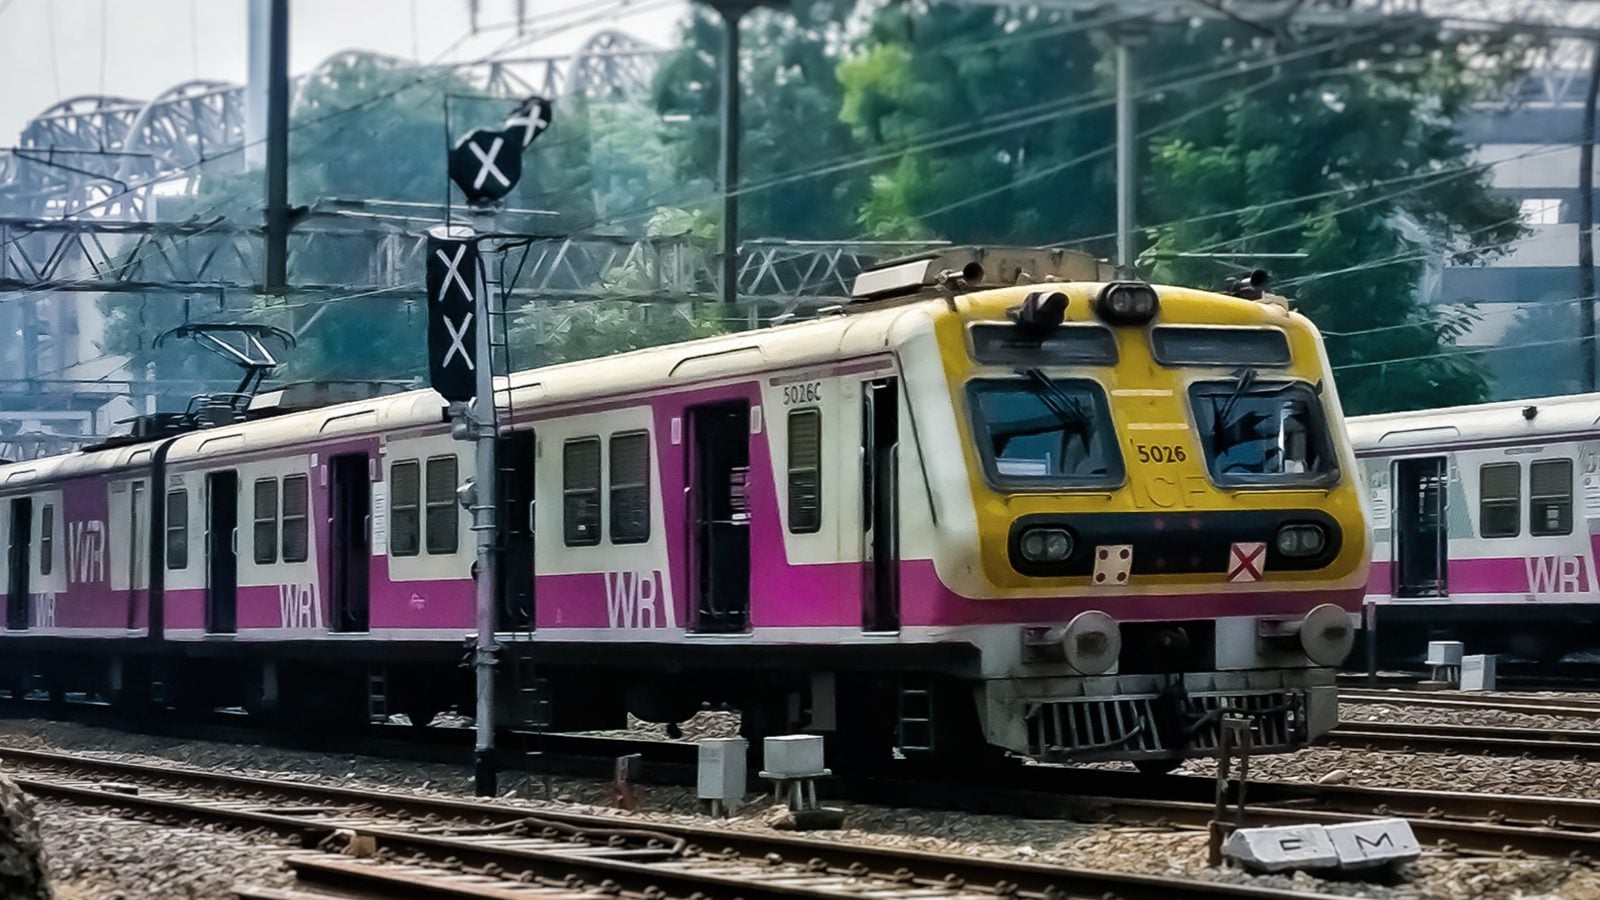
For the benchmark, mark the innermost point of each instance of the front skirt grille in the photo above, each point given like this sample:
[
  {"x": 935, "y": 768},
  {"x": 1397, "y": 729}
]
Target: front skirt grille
[{"x": 1150, "y": 726}]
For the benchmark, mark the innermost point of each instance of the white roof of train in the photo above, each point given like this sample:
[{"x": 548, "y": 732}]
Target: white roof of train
[
  {"x": 808, "y": 342},
  {"x": 1572, "y": 416}
]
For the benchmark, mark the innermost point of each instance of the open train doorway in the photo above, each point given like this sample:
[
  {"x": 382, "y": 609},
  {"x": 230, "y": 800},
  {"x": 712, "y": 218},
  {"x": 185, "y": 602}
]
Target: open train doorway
[
  {"x": 19, "y": 556},
  {"x": 719, "y": 470},
  {"x": 515, "y": 485},
  {"x": 1421, "y": 537},
  {"x": 222, "y": 552},
  {"x": 880, "y": 504},
  {"x": 349, "y": 536}
]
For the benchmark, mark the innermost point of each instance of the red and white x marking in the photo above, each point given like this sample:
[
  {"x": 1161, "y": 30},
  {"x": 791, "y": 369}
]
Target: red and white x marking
[{"x": 1247, "y": 561}]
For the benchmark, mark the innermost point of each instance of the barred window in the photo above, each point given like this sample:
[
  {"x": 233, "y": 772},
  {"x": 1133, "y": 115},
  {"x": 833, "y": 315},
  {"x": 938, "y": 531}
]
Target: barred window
[
  {"x": 444, "y": 515},
  {"x": 1550, "y": 497},
  {"x": 266, "y": 519},
  {"x": 405, "y": 508},
  {"x": 47, "y": 538},
  {"x": 805, "y": 470},
  {"x": 630, "y": 488},
  {"x": 177, "y": 529},
  {"x": 1500, "y": 499},
  {"x": 296, "y": 521},
  {"x": 580, "y": 489}
]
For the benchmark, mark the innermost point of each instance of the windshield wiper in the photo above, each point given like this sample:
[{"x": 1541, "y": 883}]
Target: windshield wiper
[{"x": 1065, "y": 408}]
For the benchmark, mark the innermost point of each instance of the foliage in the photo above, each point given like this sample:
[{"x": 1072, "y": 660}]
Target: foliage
[
  {"x": 983, "y": 124},
  {"x": 546, "y": 334},
  {"x": 1379, "y": 189},
  {"x": 373, "y": 128},
  {"x": 790, "y": 116}
]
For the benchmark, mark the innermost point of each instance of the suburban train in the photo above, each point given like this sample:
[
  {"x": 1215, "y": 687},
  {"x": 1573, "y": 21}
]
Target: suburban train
[
  {"x": 1484, "y": 523},
  {"x": 1000, "y": 501}
]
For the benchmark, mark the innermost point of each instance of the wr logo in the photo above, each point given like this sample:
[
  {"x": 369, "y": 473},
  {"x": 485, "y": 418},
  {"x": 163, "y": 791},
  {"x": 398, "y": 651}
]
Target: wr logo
[
  {"x": 1556, "y": 574},
  {"x": 631, "y": 599}
]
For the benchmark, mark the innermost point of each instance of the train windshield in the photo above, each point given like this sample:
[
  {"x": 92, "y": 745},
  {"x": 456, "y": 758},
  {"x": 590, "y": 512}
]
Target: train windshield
[
  {"x": 1036, "y": 431},
  {"x": 1270, "y": 434}
]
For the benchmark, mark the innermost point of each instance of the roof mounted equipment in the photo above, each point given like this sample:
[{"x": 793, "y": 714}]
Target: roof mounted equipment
[
  {"x": 1127, "y": 303},
  {"x": 974, "y": 268},
  {"x": 1250, "y": 287}
]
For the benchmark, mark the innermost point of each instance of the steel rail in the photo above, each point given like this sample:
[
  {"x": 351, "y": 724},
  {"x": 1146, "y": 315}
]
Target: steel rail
[
  {"x": 1545, "y": 706},
  {"x": 749, "y": 864},
  {"x": 1575, "y": 744}
]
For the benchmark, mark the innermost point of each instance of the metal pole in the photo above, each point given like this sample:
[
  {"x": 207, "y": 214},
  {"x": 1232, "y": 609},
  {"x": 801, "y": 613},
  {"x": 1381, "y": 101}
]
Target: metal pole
[
  {"x": 1586, "y": 223},
  {"x": 1127, "y": 175},
  {"x": 278, "y": 150},
  {"x": 255, "y": 86},
  {"x": 483, "y": 509},
  {"x": 728, "y": 168}
]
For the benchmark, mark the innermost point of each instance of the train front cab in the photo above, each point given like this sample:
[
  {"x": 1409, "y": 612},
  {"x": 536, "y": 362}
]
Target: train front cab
[{"x": 1165, "y": 498}]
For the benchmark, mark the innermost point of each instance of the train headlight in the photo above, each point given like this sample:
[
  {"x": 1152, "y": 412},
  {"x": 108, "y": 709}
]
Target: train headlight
[
  {"x": 1326, "y": 635},
  {"x": 1046, "y": 545},
  {"x": 1092, "y": 642},
  {"x": 1302, "y": 540},
  {"x": 1127, "y": 303}
]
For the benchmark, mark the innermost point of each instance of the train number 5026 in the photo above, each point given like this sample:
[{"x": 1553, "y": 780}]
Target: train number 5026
[{"x": 1160, "y": 453}]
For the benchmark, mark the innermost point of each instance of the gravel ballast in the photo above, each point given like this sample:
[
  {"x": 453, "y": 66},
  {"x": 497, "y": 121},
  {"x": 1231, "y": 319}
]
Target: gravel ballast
[{"x": 88, "y": 849}]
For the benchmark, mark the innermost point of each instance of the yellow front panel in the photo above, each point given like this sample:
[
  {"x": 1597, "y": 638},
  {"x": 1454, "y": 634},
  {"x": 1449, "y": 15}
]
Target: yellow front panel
[{"x": 1150, "y": 408}]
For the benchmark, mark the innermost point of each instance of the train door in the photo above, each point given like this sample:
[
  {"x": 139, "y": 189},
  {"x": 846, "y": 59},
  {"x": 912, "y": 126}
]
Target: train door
[
  {"x": 19, "y": 561},
  {"x": 719, "y": 467},
  {"x": 1421, "y": 541},
  {"x": 515, "y": 485},
  {"x": 349, "y": 521},
  {"x": 222, "y": 552},
  {"x": 880, "y": 506},
  {"x": 138, "y": 550}
]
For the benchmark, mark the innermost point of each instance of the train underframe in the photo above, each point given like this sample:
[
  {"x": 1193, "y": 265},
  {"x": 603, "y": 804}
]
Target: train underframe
[
  {"x": 1531, "y": 632},
  {"x": 872, "y": 710}
]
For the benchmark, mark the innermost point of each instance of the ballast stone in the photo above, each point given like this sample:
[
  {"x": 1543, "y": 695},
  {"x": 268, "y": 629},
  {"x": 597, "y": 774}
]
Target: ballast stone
[
  {"x": 1281, "y": 848},
  {"x": 1351, "y": 847}
]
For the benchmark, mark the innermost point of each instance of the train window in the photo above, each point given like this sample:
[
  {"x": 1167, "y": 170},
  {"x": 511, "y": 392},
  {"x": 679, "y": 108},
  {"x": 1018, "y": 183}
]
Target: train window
[
  {"x": 580, "y": 491},
  {"x": 1191, "y": 346},
  {"x": 266, "y": 520},
  {"x": 805, "y": 470},
  {"x": 1500, "y": 499},
  {"x": 444, "y": 515},
  {"x": 997, "y": 345},
  {"x": 405, "y": 509},
  {"x": 1550, "y": 497},
  {"x": 296, "y": 532},
  {"x": 177, "y": 529},
  {"x": 1262, "y": 434},
  {"x": 47, "y": 538},
  {"x": 630, "y": 488},
  {"x": 1038, "y": 431}
]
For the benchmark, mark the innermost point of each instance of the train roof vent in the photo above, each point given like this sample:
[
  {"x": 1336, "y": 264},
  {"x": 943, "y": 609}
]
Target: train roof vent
[
  {"x": 974, "y": 268},
  {"x": 302, "y": 395}
]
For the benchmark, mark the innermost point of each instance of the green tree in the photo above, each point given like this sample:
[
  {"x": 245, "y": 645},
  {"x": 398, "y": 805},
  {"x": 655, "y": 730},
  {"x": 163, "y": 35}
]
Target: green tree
[
  {"x": 373, "y": 128},
  {"x": 1236, "y": 129},
  {"x": 1350, "y": 156},
  {"x": 790, "y": 118}
]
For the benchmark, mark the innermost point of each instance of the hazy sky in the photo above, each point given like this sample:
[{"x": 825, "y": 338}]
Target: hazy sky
[{"x": 51, "y": 50}]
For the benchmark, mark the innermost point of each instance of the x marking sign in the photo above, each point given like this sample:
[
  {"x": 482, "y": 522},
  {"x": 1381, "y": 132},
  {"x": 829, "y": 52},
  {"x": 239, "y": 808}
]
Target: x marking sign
[
  {"x": 1247, "y": 561},
  {"x": 452, "y": 272},
  {"x": 486, "y": 166},
  {"x": 456, "y": 345}
]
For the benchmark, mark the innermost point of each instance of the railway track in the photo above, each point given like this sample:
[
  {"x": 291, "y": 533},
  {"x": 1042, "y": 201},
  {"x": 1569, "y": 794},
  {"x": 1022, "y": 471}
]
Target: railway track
[
  {"x": 1548, "y": 743},
  {"x": 1530, "y": 704},
  {"x": 440, "y": 847}
]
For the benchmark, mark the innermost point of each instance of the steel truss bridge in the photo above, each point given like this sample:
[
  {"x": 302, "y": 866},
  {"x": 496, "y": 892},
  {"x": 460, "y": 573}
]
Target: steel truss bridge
[{"x": 107, "y": 155}]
